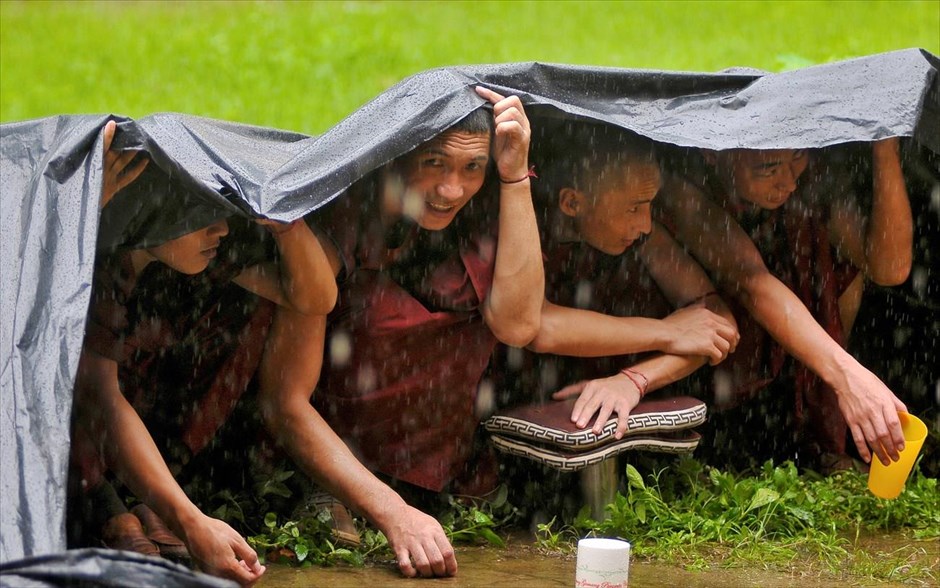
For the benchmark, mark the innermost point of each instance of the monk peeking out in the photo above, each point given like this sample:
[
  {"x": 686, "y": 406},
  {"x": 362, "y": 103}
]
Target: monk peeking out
[
  {"x": 617, "y": 284},
  {"x": 129, "y": 330},
  {"x": 782, "y": 234},
  {"x": 428, "y": 284}
]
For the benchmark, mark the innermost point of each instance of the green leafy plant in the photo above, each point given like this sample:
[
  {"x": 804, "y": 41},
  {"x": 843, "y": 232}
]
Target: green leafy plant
[
  {"x": 470, "y": 520},
  {"x": 305, "y": 542},
  {"x": 695, "y": 515}
]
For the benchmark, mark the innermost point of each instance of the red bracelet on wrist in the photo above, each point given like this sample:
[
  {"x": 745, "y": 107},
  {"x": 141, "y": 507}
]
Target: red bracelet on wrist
[
  {"x": 634, "y": 376},
  {"x": 531, "y": 174}
]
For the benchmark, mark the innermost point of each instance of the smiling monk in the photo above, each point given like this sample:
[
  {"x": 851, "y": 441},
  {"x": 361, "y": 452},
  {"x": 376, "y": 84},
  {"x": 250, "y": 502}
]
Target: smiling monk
[{"x": 428, "y": 284}]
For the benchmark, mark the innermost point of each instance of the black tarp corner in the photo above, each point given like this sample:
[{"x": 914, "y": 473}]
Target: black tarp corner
[
  {"x": 87, "y": 568},
  {"x": 202, "y": 168}
]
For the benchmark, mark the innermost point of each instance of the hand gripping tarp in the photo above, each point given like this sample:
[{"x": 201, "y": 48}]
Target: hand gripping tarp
[{"x": 203, "y": 169}]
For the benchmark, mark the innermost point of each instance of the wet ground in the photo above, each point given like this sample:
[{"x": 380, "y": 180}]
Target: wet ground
[{"x": 520, "y": 565}]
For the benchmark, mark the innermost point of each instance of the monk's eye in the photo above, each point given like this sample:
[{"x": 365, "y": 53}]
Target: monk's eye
[{"x": 799, "y": 154}]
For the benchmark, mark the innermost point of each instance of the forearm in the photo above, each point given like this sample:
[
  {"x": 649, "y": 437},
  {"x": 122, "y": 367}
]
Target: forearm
[
  {"x": 131, "y": 453},
  {"x": 584, "y": 333},
  {"x": 514, "y": 302},
  {"x": 790, "y": 323},
  {"x": 306, "y": 278},
  {"x": 322, "y": 455},
  {"x": 289, "y": 371},
  {"x": 889, "y": 236},
  {"x": 662, "y": 370}
]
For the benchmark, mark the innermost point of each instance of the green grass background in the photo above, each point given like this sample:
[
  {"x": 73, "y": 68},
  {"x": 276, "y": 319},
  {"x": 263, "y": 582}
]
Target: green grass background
[{"x": 305, "y": 65}]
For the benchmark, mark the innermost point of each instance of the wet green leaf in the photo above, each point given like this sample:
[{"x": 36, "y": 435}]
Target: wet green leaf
[
  {"x": 763, "y": 497},
  {"x": 492, "y": 538},
  {"x": 634, "y": 478},
  {"x": 640, "y": 511},
  {"x": 270, "y": 520}
]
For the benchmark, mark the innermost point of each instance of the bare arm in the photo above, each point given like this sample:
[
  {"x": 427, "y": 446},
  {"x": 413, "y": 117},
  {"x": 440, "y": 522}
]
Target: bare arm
[
  {"x": 513, "y": 304},
  {"x": 290, "y": 368},
  {"x": 869, "y": 408},
  {"x": 303, "y": 280},
  {"x": 131, "y": 452},
  {"x": 696, "y": 330},
  {"x": 682, "y": 281},
  {"x": 881, "y": 244}
]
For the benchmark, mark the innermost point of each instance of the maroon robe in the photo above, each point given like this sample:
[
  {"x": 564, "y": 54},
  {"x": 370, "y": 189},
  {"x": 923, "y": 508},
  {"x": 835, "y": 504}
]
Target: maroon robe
[
  {"x": 793, "y": 241},
  {"x": 407, "y": 344},
  {"x": 186, "y": 348},
  {"x": 578, "y": 276}
]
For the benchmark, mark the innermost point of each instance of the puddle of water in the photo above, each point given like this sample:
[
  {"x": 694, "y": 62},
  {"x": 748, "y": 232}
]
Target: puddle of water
[{"x": 520, "y": 565}]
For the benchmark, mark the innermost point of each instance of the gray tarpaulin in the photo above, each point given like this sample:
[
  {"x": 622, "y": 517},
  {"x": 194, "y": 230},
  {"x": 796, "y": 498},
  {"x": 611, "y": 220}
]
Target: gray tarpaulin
[
  {"x": 203, "y": 169},
  {"x": 103, "y": 567}
]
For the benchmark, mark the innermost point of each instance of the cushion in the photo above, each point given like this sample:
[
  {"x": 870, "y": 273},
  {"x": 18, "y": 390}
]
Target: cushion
[
  {"x": 572, "y": 461},
  {"x": 550, "y": 423}
]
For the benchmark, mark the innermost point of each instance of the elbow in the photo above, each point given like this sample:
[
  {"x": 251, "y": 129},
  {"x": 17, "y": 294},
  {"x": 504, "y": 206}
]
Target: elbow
[
  {"x": 520, "y": 333},
  {"x": 544, "y": 340},
  {"x": 315, "y": 305},
  {"x": 271, "y": 412},
  {"x": 539, "y": 344},
  {"x": 323, "y": 304},
  {"x": 894, "y": 276},
  {"x": 277, "y": 416}
]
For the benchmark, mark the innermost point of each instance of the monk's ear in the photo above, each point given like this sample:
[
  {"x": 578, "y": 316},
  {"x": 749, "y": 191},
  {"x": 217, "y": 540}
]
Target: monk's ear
[
  {"x": 570, "y": 201},
  {"x": 710, "y": 156}
]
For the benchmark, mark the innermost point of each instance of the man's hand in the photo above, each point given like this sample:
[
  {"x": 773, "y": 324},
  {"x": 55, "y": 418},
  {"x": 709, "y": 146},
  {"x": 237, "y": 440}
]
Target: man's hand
[
  {"x": 700, "y": 332},
  {"x": 511, "y": 149},
  {"x": 219, "y": 550},
  {"x": 616, "y": 394},
  {"x": 117, "y": 174},
  {"x": 419, "y": 544},
  {"x": 871, "y": 412}
]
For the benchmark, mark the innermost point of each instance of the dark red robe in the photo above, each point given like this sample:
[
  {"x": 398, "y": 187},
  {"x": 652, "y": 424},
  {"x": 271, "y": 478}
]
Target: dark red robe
[{"x": 407, "y": 344}]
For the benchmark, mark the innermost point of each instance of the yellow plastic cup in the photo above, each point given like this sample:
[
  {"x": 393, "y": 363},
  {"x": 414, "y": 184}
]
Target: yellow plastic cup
[{"x": 887, "y": 481}]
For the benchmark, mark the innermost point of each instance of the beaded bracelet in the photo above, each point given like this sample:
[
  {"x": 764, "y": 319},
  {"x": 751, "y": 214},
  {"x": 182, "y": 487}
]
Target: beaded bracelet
[
  {"x": 634, "y": 375},
  {"x": 530, "y": 174}
]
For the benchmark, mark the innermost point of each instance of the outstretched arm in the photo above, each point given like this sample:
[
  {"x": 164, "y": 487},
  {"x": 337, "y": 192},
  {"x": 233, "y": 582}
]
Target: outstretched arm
[
  {"x": 719, "y": 244},
  {"x": 514, "y": 302},
  {"x": 290, "y": 368},
  {"x": 882, "y": 243},
  {"x": 130, "y": 451}
]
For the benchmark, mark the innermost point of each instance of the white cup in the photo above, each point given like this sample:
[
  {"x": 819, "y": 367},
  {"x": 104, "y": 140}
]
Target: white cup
[{"x": 602, "y": 563}]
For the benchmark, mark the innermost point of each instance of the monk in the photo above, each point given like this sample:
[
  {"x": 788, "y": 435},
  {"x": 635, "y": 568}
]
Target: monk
[
  {"x": 614, "y": 278},
  {"x": 119, "y": 337},
  {"x": 427, "y": 287},
  {"x": 778, "y": 232}
]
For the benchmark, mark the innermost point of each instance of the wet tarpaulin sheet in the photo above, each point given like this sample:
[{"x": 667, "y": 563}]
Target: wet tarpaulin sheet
[
  {"x": 203, "y": 169},
  {"x": 80, "y": 568}
]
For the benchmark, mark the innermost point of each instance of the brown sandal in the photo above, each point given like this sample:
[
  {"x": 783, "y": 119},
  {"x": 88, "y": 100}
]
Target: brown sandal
[
  {"x": 125, "y": 532},
  {"x": 168, "y": 544},
  {"x": 343, "y": 527}
]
